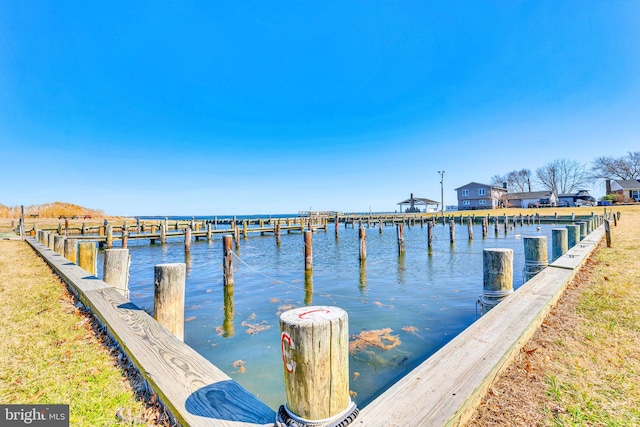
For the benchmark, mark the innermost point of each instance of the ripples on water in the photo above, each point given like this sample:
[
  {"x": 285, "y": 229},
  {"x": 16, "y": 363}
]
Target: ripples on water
[{"x": 433, "y": 297}]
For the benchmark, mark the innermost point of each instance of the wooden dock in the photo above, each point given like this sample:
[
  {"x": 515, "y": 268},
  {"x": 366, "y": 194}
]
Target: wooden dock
[{"x": 442, "y": 391}]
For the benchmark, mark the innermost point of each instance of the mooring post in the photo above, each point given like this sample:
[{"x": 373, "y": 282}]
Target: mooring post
[
  {"x": 583, "y": 229},
  {"x": 227, "y": 260},
  {"x": 362, "y": 234},
  {"x": 308, "y": 250},
  {"x": 87, "y": 257},
  {"x": 495, "y": 225},
  {"x": 429, "y": 234},
  {"x": 244, "y": 229},
  {"x": 497, "y": 276},
  {"x": 209, "y": 232},
  {"x": 315, "y": 355},
  {"x": 125, "y": 236},
  {"x": 536, "y": 257},
  {"x": 70, "y": 251},
  {"x": 470, "y": 227},
  {"x": 607, "y": 232},
  {"x": 236, "y": 236},
  {"x": 58, "y": 245},
  {"x": 115, "y": 270},
  {"x": 452, "y": 231},
  {"x": 400, "y": 233},
  {"x": 573, "y": 235},
  {"x": 168, "y": 302},
  {"x": 51, "y": 242},
  {"x": 187, "y": 239},
  {"x": 559, "y": 242},
  {"x": 485, "y": 227},
  {"x": 277, "y": 232}
]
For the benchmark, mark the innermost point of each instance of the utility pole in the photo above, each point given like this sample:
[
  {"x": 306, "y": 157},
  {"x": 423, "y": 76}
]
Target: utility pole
[{"x": 441, "y": 192}]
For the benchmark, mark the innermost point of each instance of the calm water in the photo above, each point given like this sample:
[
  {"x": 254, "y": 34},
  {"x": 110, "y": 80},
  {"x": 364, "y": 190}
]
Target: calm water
[{"x": 425, "y": 299}]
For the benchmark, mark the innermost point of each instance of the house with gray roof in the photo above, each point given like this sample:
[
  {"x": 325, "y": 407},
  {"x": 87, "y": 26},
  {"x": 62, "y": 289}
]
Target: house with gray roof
[
  {"x": 480, "y": 196},
  {"x": 627, "y": 187}
]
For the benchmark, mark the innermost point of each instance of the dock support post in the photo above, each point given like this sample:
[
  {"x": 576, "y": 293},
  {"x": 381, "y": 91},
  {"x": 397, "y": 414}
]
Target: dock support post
[
  {"x": 163, "y": 232},
  {"x": 87, "y": 258},
  {"x": 337, "y": 226},
  {"x": 209, "y": 231},
  {"x": 400, "y": 233},
  {"x": 429, "y": 234},
  {"x": 497, "y": 276},
  {"x": 168, "y": 297},
  {"x": 362, "y": 234},
  {"x": 559, "y": 242},
  {"x": 583, "y": 229},
  {"x": 573, "y": 235},
  {"x": 187, "y": 240},
  {"x": 308, "y": 250},
  {"x": 536, "y": 257},
  {"x": 277, "y": 233},
  {"x": 70, "y": 251},
  {"x": 470, "y": 227},
  {"x": 58, "y": 245},
  {"x": 227, "y": 260},
  {"x": 315, "y": 356},
  {"x": 452, "y": 231},
  {"x": 51, "y": 241},
  {"x": 115, "y": 270}
]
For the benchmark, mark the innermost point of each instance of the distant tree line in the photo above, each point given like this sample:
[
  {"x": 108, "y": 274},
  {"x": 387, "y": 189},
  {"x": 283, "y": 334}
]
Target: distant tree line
[
  {"x": 564, "y": 176},
  {"x": 49, "y": 210}
]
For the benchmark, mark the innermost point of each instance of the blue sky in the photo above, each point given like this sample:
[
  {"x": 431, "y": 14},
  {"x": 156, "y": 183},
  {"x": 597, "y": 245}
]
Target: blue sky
[{"x": 231, "y": 107}]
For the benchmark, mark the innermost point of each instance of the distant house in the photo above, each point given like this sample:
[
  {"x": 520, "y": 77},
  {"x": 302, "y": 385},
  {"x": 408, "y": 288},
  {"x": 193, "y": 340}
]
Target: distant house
[
  {"x": 628, "y": 187},
  {"x": 531, "y": 199},
  {"x": 480, "y": 196}
]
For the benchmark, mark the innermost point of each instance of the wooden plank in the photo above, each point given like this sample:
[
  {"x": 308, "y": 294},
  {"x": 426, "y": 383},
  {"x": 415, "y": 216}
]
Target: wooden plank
[{"x": 194, "y": 391}]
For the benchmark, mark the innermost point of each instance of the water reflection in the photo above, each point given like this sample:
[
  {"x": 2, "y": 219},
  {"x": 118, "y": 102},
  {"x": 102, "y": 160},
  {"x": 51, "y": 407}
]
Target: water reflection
[{"x": 308, "y": 287}]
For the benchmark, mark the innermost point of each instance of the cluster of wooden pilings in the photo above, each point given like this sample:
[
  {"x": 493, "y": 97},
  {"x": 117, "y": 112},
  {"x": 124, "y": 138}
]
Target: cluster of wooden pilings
[{"x": 314, "y": 340}]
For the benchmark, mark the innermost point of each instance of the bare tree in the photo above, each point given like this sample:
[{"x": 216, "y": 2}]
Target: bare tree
[
  {"x": 517, "y": 181},
  {"x": 562, "y": 176},
  {"x": 625, "y": 167}
]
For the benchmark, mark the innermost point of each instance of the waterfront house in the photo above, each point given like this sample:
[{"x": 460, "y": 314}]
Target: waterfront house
[
  {"x": 531, "y": 199},
  {"x": 629, "y": 188},
  {"x": 480, "y": 196}
]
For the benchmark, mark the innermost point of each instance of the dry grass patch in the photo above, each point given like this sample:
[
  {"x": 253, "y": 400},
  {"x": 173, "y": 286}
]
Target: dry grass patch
[
  {"x": 53, "y": 353},
  {"x": 582, "y": 366}
]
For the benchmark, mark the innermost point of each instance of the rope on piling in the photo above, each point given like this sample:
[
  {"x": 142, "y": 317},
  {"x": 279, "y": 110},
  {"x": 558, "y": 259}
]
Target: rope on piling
[{"x": 285, "y": 418}]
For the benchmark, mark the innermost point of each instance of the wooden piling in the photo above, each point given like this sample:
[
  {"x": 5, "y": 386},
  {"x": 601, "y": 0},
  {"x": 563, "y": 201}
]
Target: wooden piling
[
  {"x": 315, "y": 356},
  {"x": 573, "y": 235},
  {"x": 607, "y": 232},
  {"x": 308, "y": 250},
  {"x": 400, "y": 234},
  {"x": 362, "y": 234},
  {"x": 497, "y": 275},
  {"x": 559, "y": 242},
  {"x": 58, "y": 245},
  {"x": 115, "y": 270},
  {"x": 168, "y": 302},
  {"x": 209, "y": 232},
  {"x": 187, "y": 239},
  {"x": 485, "y": 227},
  {"x": 227, "y": 260},
  {"x": 536, "y": 257},
  {"x": 70, "y": 251},
  {"x": 87, "y": 257},
  {"x": 470, "y": 228},
  {"x": 244, "y": 229},
  {"x": 429, "y": 234},
  {"x": 163, "y": 233},
  {"x": 125, "y": 236},
  {"x": 452, "y": 231},
  {"x": 236, "y": 236},
  {"x": 336, "y": 226},
  {"x": 277, "y": 232}
]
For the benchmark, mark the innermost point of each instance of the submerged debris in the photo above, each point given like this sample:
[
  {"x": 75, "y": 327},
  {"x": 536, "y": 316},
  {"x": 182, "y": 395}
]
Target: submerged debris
[
  {"x": 254, "y": 328},
  {"x": 379, "y": 338},
  {"x": 239, "y": 365}
]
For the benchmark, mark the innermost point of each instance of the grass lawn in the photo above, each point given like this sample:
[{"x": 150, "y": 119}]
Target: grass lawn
[{"x": 51, "y": 352}]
